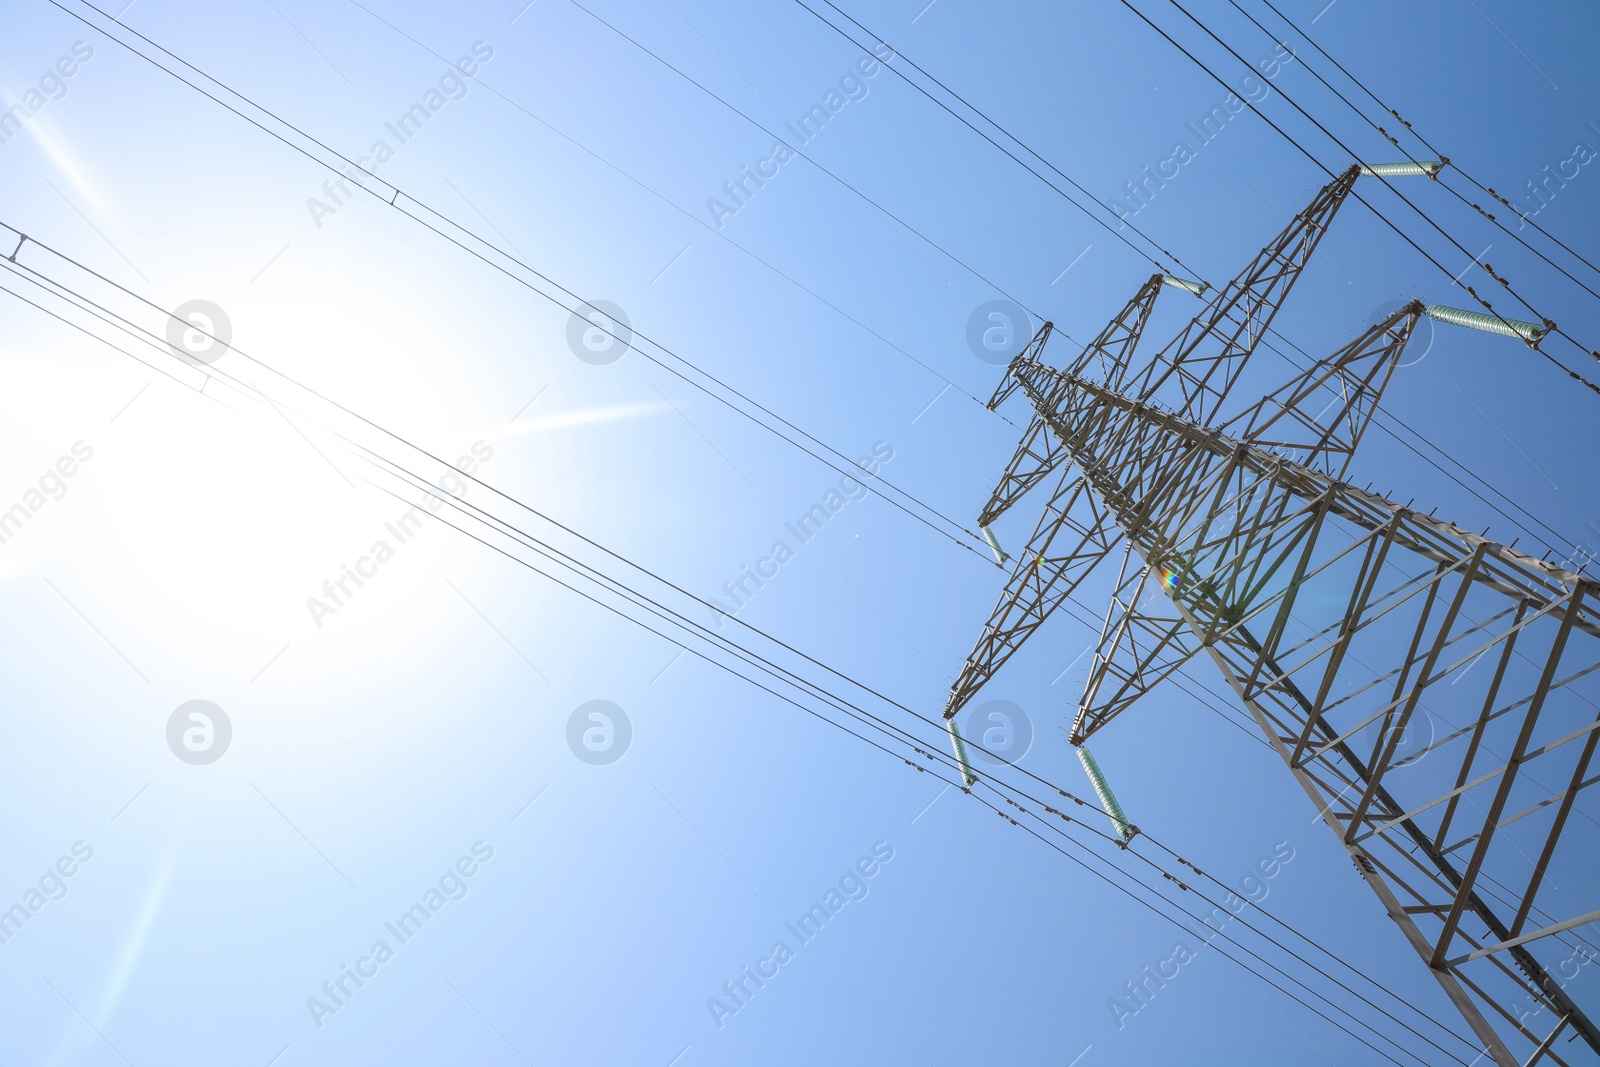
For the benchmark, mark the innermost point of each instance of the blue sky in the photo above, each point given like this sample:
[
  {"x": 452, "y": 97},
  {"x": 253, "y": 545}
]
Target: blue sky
[{"x": 427, "y": 719}]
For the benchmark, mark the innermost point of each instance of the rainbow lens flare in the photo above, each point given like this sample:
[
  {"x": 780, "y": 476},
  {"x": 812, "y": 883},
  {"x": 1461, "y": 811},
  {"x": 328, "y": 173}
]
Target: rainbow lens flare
[{"x": 1169, "y": 578}]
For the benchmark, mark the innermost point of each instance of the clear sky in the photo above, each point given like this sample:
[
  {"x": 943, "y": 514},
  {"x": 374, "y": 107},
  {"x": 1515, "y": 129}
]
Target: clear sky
[{"x": 429, "y": 730}]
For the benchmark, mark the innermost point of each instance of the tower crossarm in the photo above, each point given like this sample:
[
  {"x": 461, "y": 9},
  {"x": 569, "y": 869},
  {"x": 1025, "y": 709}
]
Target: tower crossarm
[
  {"x": 1199, "y": 367},
  {"x": 1074, "y": 533},
  {"x": 1318, "y": 417},
  {"x": 1108, "y": 356},
  {"x": 1031, "y": 352},
  {"x": 1038, "y": 454}
]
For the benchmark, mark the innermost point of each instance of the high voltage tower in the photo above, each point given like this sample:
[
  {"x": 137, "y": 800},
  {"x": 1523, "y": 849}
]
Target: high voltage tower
[{"x": 1346, "y": 622}]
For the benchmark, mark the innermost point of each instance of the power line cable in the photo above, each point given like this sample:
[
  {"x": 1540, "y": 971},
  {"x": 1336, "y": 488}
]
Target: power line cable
[
  {"x": 1020, "y": 162},
  {"x": 474, "y": 252},
  {"x": 696, "y": 219},
  {"x": 154, "y": 342},
  {"x": 1076, "y": 610},
  {"x": 792, "y": 679},
  {"x": 1154, "y": 262},
  {"x": 1383, "y": 417},
  {"x": 243, "y": 116},
  {"x": 1443, "y": 158},
  {"x": 970, "y": 544},
  {"x": 1424, "y": 141},
  {"x": 1550, "y": 325},
  {"x": 847, "y": 185},
  {"x": 969, "y": 541}
]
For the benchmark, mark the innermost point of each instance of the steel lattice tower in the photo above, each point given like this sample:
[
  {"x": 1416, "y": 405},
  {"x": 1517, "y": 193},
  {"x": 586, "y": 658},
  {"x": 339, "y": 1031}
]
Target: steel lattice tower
[{"x": 1346, "y": 623}]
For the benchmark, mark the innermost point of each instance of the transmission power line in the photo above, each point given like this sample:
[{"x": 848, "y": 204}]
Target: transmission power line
[
  {"x": 1013, "y": 803},
  {"x": 967, "y": 544},
  {"x": 1102, "y": 205},
  {"x": 698, "y": 220},
  {"x": 1382, "y": 217},
  {"x": 501, "y": 267},
  {"x": 522, "y": 281},
  {"x": 1045, "y": 162},
  {"x": 1391, "y": 426},
  {"x": 896, "y": 503},
  {"x": 839, "y": 462},
  {"x": 797, "y": 151},
  {"x": 1453, "y": 164},
  {"x": 525, "y": 539},
  {"x": 1086, "y": 620},
  {"x": 151, "y": 340},
  {"x": 431, "y": 487},
  {"x": 1550, "y": 325}
]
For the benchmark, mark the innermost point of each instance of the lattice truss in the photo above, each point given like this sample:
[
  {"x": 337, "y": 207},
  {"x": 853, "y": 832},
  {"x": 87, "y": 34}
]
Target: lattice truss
[{"x": 1434, "y": 692}]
